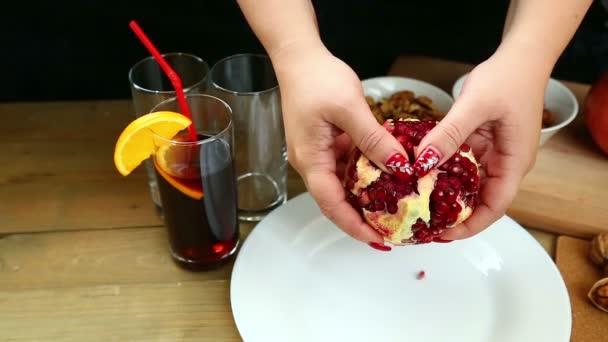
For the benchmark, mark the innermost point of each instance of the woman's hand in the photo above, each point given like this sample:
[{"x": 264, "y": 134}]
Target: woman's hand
[
  {"x": 498, "y": 113},
  {"x": 325, "y": 112}
]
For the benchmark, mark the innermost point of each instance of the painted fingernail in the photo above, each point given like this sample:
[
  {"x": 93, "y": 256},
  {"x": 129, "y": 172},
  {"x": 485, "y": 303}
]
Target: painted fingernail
[
  {"x": 379, "y": 247},
  {"x": 400, "y": 166},
  {"x": 440, "y": 240},
  {"x": 427, "y": 160}
]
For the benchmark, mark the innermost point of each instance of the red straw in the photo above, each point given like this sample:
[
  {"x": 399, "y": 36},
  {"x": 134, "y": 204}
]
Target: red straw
[{"x": 171, "y": 74}]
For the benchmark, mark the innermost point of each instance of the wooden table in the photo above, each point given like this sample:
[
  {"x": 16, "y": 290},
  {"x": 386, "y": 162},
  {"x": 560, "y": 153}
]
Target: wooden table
[{"x": 83, "y": 255}]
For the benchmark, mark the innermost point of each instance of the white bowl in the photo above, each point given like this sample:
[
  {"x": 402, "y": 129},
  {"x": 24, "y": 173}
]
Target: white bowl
[
  {"x": 558, "y": 99},
  {"x": 385, "y": 86}
]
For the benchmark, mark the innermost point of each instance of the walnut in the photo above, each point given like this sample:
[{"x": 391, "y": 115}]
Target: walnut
[
  {"x": 404, "y": 105},
  {"x": 599, "y": 294},
  {"x": 370, "y": 100},
  {"x": 599, "y": 250},
  {"x": 548, "y": 118}
]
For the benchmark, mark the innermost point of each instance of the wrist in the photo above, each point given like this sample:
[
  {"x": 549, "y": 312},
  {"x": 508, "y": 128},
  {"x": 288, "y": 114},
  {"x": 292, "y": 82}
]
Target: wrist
[
  {"x": 290, "y": 53},
  {"x": 528, "y": 58}
]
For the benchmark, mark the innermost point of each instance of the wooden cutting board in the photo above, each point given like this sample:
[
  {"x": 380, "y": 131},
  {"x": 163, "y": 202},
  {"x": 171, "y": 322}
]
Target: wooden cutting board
[
  {"x": 567, "y": 190},
  {"x": 588, "y": 322}
]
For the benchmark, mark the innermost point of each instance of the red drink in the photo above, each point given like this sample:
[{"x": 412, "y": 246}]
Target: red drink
[{"x": 198, "y": 193}]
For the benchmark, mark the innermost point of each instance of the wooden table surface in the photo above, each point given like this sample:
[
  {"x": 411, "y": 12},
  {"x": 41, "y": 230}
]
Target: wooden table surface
[{"x": 83, "y": 255}]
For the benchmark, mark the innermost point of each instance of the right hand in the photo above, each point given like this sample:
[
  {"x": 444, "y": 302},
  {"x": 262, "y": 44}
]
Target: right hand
[{"x": 325, "y": 112}]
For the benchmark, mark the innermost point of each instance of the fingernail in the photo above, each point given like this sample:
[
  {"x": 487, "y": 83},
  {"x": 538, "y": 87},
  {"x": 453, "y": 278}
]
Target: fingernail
[
  {"x": 440, "y": 240},
  {"x": 379, "y": 247},
  {"x": 427, "y": 160},
  {"x": 400, "y": 166}
]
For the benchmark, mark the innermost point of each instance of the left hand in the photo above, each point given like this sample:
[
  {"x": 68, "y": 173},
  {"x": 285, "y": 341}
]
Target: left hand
[{"x": 498, "y": 113}]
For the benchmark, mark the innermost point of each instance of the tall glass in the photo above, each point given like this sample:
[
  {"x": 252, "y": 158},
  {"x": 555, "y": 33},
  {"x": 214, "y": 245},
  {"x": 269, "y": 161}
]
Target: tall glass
[
  {"x": 197, "y": 185},
  {"x": 248, "y": 84},
  {"x": 150, "y": 86}
]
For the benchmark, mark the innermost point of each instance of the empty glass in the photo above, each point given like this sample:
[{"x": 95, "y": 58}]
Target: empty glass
[{"x": 248, "y": 84}]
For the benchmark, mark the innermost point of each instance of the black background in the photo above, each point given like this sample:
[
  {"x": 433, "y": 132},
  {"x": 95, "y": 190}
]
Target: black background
[{"x": 82, "y": 49}]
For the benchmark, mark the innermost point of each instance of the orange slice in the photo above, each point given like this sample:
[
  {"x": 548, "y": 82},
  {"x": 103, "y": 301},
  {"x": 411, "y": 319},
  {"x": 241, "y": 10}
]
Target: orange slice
[
  {"x": 136, "y": 142},
  {"x": 189, "y": 187}
]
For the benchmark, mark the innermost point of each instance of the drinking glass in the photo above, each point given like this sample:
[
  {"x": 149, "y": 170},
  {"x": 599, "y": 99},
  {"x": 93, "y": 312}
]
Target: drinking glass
[
  {"x": 248, "y": 84},
  {"x": 197, "y": 184},
  {"x": 150, "y": 86}
]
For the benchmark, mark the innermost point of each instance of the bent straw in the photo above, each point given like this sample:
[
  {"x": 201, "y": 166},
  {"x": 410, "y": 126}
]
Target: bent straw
[{"x": 171, "y": 74}]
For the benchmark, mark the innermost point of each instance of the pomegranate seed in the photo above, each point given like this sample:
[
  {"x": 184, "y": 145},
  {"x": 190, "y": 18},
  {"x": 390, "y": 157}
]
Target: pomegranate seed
[
  {"x": 391, "y": 207},
  {"x": 399, "y": 130},
  {"x": 419, "y": 235},
  {"x": 456, "y": 158},
  {"x": 379, "y": 205},
  {"x": 465, "y": 148},
  {"x": 456, "y": 169},
  {"x": 442, "y": 184},
  {"x": 350, "y": 184},
  {"x": 442, "y": 207},
  {"x": 427, "y": 239},
  {"x": 450, "y": 196},
  {"x": 472, "y": 168},
  {"x": 372, "y": 194},
  {"x": 364, "y": 198},
  {"x": 452, "y": 218},
  {"x": 381, "y": 194},
  {"x": 438, "y": 195},
  {"x": 420, "y": 275},
  {"x": 454, "y": 183},
  {"x": 402, "y": 139}
]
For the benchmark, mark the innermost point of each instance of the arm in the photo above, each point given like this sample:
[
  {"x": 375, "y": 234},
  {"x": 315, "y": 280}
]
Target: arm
[
  {"x": 323, "y": 105},
  {"x": 282, "y": 25},
  {"x": 542, "y": 26},
  {"x": 499, "y": 108}
]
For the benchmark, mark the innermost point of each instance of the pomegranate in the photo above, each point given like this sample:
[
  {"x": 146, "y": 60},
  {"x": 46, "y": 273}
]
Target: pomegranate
[
  {"x": 415, "y": 209},
  {"x": 595, "y": 112}
]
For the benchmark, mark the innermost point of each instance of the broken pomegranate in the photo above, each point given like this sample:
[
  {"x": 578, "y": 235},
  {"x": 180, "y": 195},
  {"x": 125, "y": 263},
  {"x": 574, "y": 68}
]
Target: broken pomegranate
[{"x": 416, "y": 210}]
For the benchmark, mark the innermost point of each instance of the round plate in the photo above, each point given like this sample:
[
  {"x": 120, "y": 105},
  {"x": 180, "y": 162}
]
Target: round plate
[{"x": 299, "y": 278}]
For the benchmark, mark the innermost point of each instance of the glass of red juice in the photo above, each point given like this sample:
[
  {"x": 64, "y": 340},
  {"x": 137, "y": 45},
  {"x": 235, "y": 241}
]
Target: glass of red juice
[{"x": 197, "y": 184}]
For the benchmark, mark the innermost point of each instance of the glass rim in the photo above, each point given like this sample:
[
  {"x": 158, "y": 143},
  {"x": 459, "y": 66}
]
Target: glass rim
[
  {"x": 245, "y": 93},
  {"x": 149, "y": 58},
  {"x": 198, "y": 142}
]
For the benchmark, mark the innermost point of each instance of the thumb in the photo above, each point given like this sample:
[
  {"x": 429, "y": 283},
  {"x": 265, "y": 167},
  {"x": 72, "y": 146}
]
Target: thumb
[
  {"x": 374, "y": 140},
  {"x": 447, "y": 137}
]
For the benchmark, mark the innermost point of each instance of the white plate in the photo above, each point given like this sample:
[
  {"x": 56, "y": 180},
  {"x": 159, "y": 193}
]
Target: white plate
[
  {"x": 299, "y": 278},
  {"x": 385, "y": 86}
]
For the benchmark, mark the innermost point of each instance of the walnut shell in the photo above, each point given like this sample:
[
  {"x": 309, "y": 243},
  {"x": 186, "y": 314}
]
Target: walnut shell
[
  {"x": 599, "y": 250},
  {"x": 599, "y": 294}
]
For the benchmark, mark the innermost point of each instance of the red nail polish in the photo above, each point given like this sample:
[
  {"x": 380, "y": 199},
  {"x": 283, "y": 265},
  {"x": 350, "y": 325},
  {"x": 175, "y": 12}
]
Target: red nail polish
[
  {"x": 427, "y": 160},
  {"x": 379, "y": 247},
  {"x": 400, "y": 166},
  {"x": 440, "y": 240}
]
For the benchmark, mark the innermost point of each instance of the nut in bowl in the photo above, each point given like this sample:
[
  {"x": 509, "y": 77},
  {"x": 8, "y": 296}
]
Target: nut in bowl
[
  {"x": 393, "y": 97},
  {"x": 561, "y": 107}
]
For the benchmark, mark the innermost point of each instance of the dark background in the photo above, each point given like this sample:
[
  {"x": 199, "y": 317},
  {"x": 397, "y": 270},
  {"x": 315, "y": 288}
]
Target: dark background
[{"x": 82, "y": 49}]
